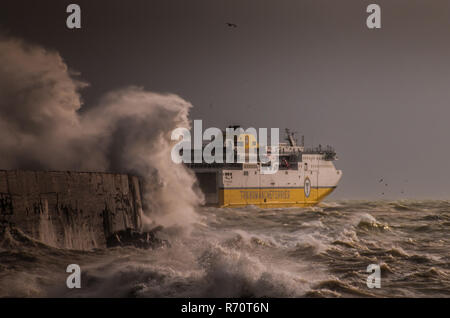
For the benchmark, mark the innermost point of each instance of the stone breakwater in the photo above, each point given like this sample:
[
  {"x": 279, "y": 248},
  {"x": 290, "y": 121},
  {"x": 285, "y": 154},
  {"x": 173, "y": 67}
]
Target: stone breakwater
[{"x": 75, "y": 210}]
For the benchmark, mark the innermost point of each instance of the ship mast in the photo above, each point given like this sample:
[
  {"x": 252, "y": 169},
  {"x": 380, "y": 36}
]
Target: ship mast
[{"x": 290, "y": 138}]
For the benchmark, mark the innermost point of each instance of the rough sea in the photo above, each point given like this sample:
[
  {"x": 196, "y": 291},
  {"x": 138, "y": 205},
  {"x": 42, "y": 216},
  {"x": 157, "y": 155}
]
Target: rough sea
[{"x": 323, "y": 251}]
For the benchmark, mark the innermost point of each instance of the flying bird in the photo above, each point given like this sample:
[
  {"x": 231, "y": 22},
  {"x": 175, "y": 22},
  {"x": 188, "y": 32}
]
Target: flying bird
[
  {"x": 231, "y": 25},
  {"x": 381, "y": 180}
]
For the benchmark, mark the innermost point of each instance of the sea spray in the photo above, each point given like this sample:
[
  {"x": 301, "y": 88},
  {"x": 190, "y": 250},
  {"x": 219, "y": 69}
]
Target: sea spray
[{"x": 44, "y": 126}]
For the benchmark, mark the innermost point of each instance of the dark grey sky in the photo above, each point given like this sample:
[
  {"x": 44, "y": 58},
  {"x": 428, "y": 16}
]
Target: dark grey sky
[{"x": 380, "y": 97}]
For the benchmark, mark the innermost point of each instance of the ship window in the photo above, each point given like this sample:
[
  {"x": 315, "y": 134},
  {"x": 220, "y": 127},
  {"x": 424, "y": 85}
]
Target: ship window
[
  {"x": 245, "y": 173},
  {"x": 228, "y": 175},
  {"x": 285, "y": 172}
]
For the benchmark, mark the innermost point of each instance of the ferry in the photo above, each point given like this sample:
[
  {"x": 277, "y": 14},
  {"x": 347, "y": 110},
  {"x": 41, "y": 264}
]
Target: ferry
[{"x": 304, "y": 177}]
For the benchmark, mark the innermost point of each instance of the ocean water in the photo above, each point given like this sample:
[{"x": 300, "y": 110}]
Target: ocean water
[{"x": 321, "y": 251}]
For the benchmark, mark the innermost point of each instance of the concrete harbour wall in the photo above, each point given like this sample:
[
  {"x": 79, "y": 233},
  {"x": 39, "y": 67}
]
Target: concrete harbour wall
[{"x": 76, "y": 210}]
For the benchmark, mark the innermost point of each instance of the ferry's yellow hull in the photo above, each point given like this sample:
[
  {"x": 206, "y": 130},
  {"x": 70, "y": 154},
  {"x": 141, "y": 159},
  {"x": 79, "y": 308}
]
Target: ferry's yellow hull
[{"x": 272, "y": 197}]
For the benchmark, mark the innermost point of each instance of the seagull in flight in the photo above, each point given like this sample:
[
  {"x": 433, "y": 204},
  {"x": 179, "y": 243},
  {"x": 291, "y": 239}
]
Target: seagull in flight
[{"x": 231, "y": 25}]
